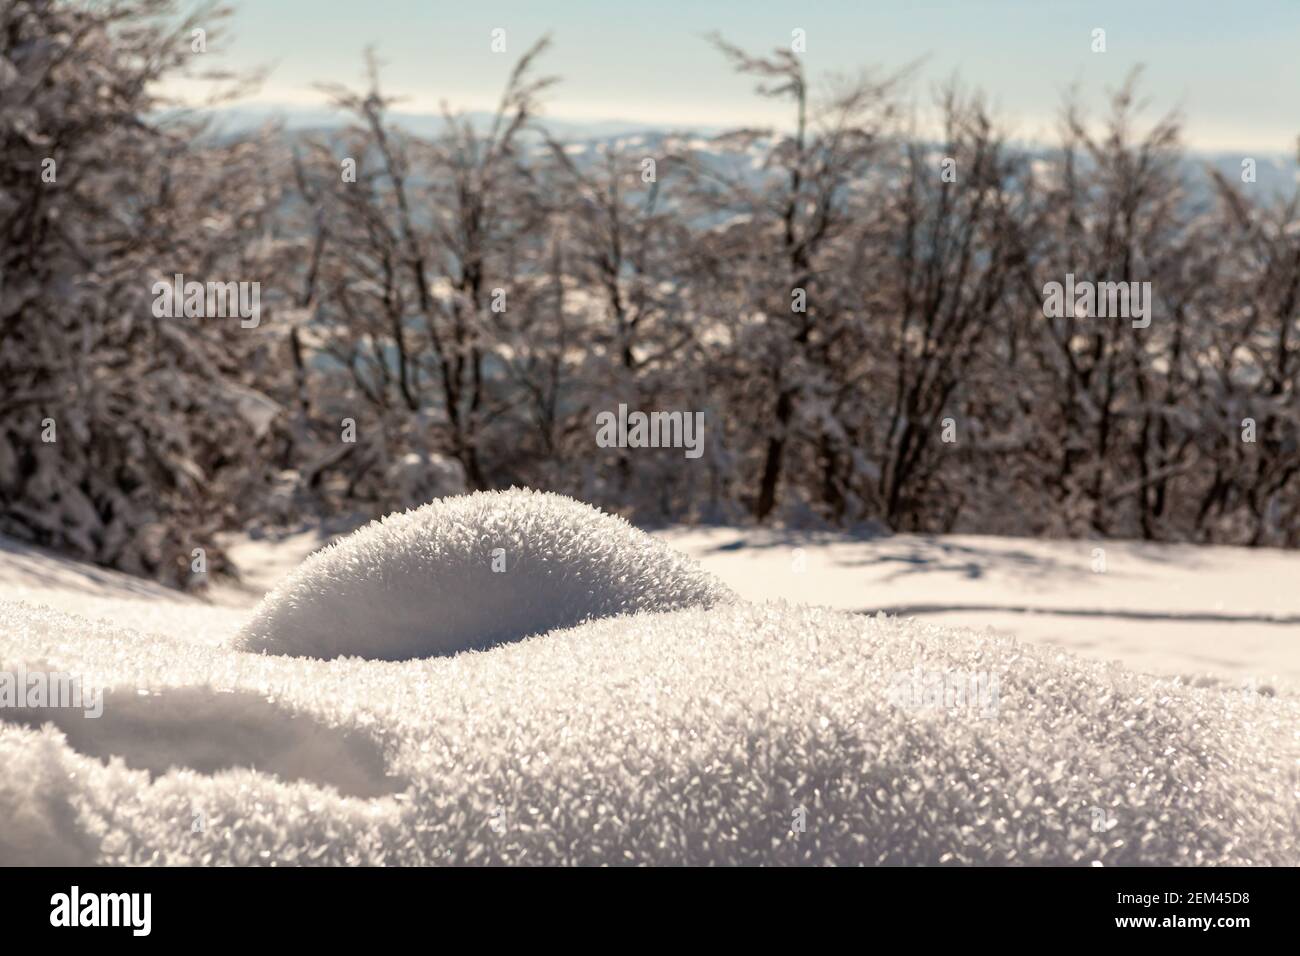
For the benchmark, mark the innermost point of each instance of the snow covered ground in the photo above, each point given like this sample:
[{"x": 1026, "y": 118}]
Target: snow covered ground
[
  {"x": 761, "y": 726},
  {"x": 1159, "y": 608}
]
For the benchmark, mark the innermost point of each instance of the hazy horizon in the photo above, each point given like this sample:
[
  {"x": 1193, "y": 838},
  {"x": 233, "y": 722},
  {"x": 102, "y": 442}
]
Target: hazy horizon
[{"x": 1222, "y": 69}]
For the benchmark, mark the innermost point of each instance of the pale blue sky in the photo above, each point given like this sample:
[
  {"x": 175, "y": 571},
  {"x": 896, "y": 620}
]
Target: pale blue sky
[{"x": 1233, "y": 67}]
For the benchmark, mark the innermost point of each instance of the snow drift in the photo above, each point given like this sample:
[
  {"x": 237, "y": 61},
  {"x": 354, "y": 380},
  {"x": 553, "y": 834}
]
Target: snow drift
[
  {"x": 670, "y": 724},
  {"x": 744, "y": 733},
  {"x": 470, "y": 572}
]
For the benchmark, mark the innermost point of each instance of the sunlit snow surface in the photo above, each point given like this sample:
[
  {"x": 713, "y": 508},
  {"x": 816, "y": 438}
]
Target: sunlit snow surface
[
  {"x": 470, "y": 572},
  {"x": 740, "y": 732}
]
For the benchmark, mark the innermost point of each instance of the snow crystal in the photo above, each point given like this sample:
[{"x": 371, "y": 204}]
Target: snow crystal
[
  {"x": 635, "y": 712},
  {"x": 743, "y": 733},
  {"x": 41, "y": 826},
  {"x": 470, "y": 572}
]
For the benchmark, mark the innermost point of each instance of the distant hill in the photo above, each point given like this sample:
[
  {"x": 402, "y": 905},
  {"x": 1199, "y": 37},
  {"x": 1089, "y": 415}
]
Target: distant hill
[{"x": 1276, "y": 173}]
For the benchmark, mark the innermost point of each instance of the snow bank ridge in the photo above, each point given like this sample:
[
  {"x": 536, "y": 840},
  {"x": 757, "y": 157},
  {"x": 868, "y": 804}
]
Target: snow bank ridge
[{"x": 470, "y": 572}]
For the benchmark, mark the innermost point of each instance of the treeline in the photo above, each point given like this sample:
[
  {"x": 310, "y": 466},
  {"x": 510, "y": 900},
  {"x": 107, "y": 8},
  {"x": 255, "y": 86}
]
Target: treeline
[{"x": 856, "y": 306}]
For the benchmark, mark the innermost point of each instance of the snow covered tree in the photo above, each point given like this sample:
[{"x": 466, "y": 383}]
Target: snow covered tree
[
  {"x": 125, "y": 438},
  {"x": 776, "y": 244}
]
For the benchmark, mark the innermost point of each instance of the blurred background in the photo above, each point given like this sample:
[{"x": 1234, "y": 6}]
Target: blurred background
[{"x": 828, "y": 231}]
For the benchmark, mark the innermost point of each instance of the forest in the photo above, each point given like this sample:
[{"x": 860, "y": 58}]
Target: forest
[{"x": 854, "y": 307}]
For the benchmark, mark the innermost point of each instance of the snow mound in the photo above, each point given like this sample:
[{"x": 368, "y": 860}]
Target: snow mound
[
  {"x": 471, "y": 572},
  {"x": 740, "y": 734},
  {"x": 174, "y": 728},
  {"x": 41, "y": 825}
]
